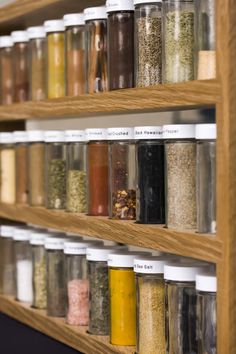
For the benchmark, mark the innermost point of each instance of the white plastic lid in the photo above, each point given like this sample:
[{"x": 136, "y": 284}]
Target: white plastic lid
[
  {"x": 19, "y": 36},
  {"x": 150, "y": 132},
  {"x": 183, "y": 271},
  {"x": 124, "y": 259},
  {"x": 95, "y": 13},
  {"x": 100, "y": 253},
  {"x": 119, "y": 5},
  {"x": 75, "y": 136},
  {"x": 6, "y": 41},
  {"x": 54, "y": 136},
  {"x": 120, "y": 133},
  {"x": 137, "y": 2},
  {"x": 54, "y": 26},
  {"x": 179, "y": 131},
  {"x": 35, "y": 135},
  {"x": 206, "y": 131},
  {"x": 150, "y": 265},
  {"x": 38, "y": 237},
  {"x": 206, "y": 282},
  {"x": 7, "y": 231},
  {"x": 21, "y": 234},
  {"x": 96, "y": 134},
  {"x": 7, "y": 138},
  {"x": 79, "y": 247},
  {"x": 36, "y": 32},
  {"x": 55, "y": 242},
  {"x": 20, "y": 137},
  {"x": 76, "y": 19}
]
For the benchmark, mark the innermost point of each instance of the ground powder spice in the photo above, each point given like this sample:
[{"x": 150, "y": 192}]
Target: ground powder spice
[
  {"x": 78, "y": 302},
  {"x": 8, "y": 175},
  {"x": 37, "y": 174},
  {"x": 22, "y": 173}
]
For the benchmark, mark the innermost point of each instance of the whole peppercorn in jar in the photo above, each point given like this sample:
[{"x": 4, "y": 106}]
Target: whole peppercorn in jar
[{"x": 6, "y": 69}]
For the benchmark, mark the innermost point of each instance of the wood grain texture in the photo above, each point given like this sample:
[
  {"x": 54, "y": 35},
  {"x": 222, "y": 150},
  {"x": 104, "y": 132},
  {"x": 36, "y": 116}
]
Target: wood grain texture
[
  {"x": 189, "y": 244},
  {"x": 75, "y": 337}
]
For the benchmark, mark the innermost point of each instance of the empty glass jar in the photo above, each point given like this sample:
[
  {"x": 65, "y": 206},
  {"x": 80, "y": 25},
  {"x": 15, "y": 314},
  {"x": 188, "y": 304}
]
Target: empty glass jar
[
  {"x": 6, "y": 70},
  {"x": 7, "y": 269},
  {"x": 8, "y": 169},
  {"x": 21, "y": 150}
]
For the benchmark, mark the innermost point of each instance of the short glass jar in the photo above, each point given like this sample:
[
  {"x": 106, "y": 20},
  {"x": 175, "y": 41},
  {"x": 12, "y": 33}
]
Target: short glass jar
[
  {"x": 56, "y": 80},
  {"x": 180, "y": 158},
  {"x": 55, "y": 169},
  {"x": 96, "y": 49},
  {"x": 97, "y": 162},
  {"x": 6, "y": 70},
  {"x": 8, "y": 169},
  {"x": 76, "y": 176},
  {"x": 75, "y": 54},
  {"x": 122, "y": 183},
  {"x": 148, "y": 42},
  {"x": 120, "y": 31},
  {"x": 150, "y": 175},
  {"x": 206, "y": 178},
  {"x": 7, "y": 260}
]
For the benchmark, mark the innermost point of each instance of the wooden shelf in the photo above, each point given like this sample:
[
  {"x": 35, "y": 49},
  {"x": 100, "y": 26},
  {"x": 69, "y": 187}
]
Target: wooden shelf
[
  {"x": 189, "y": 244},
  {"x": 75, "y": 337}
]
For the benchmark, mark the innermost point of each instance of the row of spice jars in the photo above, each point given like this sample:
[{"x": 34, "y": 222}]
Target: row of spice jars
[{"x": 110, "y": 47}]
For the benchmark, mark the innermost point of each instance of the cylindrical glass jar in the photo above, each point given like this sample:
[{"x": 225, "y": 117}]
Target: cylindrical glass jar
[
  {"x": 205, "y": 32},
  {"x": 76, "y": 177},
  {"x": 37, "y": 65},
  {"x": 97, "y": 162},
  {"x": 206, "y": 178},
  {"x": 178, "y": 40},
  {"x": 6, "y": 70},
  {"x": 180, "y": 158},
  {"x": 148, "y": 42},
  {"x": 56, "y": 80},
  {"x": 55, "y": 169},
  {"x": 75, "y": 54},
  {"x": 21, "y": 149},
  {"x": 7, "y": 268},
  {"x": 23, "y": 261},
  {"x": 122, "y": 203},
  {"x": 21, "y": 65},
  {"x": 120, "y": 40},
  {"x": 8, "y": 169},
  {"x": 150, "y": 175},
  {"x": 96, "y": 49},
  {"x": 206, "y": 286},
  {"x": 150, "y": 290},
  {"x": 36, "y": 167}
]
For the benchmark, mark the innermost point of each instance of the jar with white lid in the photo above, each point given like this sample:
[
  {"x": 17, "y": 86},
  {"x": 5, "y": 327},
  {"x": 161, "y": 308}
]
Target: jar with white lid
[
  {"x": 206, "y": 178},
  {"x": 76, "y": 175},
  {"x": 206, "y": 286},
  {"x": 23, "y": 264},
  {"x": 148, "y": 42},
  {"x": 8, "y": 168},
  {"x": 55, "y": 169},
  {"x": 122, "y": 173},
  {"x": 180, "y": 162},
  {"x": 7, "y": 260},
  {"x": 6, "y": 70}
]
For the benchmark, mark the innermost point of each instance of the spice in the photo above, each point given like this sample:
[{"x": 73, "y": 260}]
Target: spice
[
  {"x": 78, "y": 300},
  {"x": 206, "y": 64},
  {"x": 38, "y": 69},
  {"x": 37, "y": 174},
  {"x": 76, "y": 191},
  {"x": 124, "y": 204},
  {"x": 21, "y": 173},
  {"x": 8, "y": 175},
  {"x": 24, "y": 280},
  {"x": 6, "y": 65},
  {"x": 56, "y": 184},
  {"x": 7, "y": 261},
  {"x": 39, "y": 282}
]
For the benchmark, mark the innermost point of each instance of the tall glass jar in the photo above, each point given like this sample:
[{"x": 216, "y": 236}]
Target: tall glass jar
[
  {"x": 6, "y": 70},
  {"x": 7, "y": 269},
  {"x": 55, "y": 169},
  {"x": 96, "y": 49},
  {"x": 21, "y": 65},
  {"x": 180, "y": 157},
  {"x": 206, "y": 286},
  {"x": 150, "y": 175},
  {"x": 8, "y": 169},
  {"x": 148, "y": 42},
  {"x": 37, "y": 65},
  {"x": 97, "y": 162},
  {"x": 178, "y": 40},
  {"x": 120, "y": 27},
  {"x": 122, "y": 203},
  {"x": 75, "y": 54},
  {"x": 36, "y": 168},
  {"x": 76, "y": 177},
  {"x": 21, "y": 149},
  {"x": 206, "y": 178},
  {"x": 56, "y": 80}
]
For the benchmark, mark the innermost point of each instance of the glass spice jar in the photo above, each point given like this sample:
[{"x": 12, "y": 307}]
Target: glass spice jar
[
  {"x": 150, "y": 175},
  {"x": 180, "y": 157},
  {"x": 56, "y": 80},
  {"x": 122, "y": 173},
  {"x": 178, "y": 40},
  {"x": 97, "y": 162},
  {"x": 148, "y": 42},
  {"x": 37, "y": 65},
  {"x": 76, "y": 178},
  {"x": 96, "y": 49},
  {"x": 75, "y": 54},
  {"x": 6, "y": 70},
  {"x": 120, "y": 29},
  {"x": 206, "y": 286},
  {"x": 21, "y": 151},
  {"x": 20, "y": 65},
  {"x": 8, "y": 169},
  {"x": 7, "y": 260},
  {"x": 55, "y": 169},
  {"x": 206, "y": 178}
]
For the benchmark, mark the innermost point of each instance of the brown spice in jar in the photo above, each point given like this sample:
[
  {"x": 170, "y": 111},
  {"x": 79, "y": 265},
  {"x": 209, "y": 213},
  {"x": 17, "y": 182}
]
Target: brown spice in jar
[
  {"x": 7, "y": 84},
  {"x": 21, "y": 76},
  {"x": 37, "y": 174},
  {"x": 21, "y": 174}
]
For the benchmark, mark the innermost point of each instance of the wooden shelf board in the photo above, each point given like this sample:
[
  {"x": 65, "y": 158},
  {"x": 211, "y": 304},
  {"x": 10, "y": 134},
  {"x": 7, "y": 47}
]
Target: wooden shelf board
[
  {"x": 75, "y": 337},
  {"x": 189, "y": 244}
]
